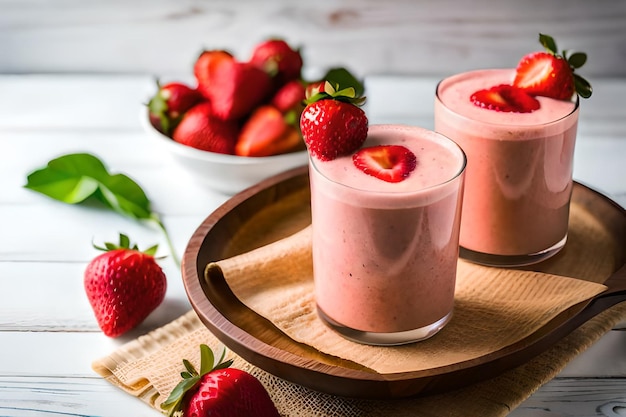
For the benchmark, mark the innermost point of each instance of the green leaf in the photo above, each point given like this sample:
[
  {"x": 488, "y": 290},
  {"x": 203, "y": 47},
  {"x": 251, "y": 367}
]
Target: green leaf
[
  {"x": 126, "y": 197},
  {"x": 189, "y": 367},
  {"x": 152, "y": 250},
  {"x": 70, "y": 179},
  {"x": 345, "y": 79},
  {"x": 124, "y": 241},
  {"x": 77, "y": 178},
  {"x": 207, "y": 359},
  {"x": 548, "y": 42},
  {"x": 577, "y": 59},
  {"x": 177, "y": 395},
  {"x": 583, "y": 87},
  {"x": 74, "y": 178}
]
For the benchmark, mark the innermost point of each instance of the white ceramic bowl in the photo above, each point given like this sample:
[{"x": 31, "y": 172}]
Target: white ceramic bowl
[{"x": 227, "y": 174}]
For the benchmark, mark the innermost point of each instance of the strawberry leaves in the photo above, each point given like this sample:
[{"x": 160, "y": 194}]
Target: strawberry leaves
[
  {"x": 125, "y": 243},
  {"x": 81, "y": 178},
  {"x": 191, "y": 378}
]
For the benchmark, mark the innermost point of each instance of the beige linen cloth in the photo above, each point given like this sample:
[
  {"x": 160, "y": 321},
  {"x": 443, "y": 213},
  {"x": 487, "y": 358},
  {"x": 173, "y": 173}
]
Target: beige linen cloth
[{"x": 493, "y": 309}]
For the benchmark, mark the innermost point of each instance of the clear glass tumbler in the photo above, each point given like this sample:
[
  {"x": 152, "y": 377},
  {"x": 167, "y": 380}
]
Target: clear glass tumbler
[
  {"x": 385, "y": 254},
  {"x": 519, "y": 171}
]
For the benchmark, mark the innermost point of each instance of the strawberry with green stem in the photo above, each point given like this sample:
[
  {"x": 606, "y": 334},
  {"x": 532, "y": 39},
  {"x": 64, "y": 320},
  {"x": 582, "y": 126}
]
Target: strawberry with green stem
[
  {"x": 543, "y": 73},
  {"x": 332, "y": 122},
  {"x": 168, "y": 105},
  {"x": 123, "y": 285},
  {"x": 218, "y": 390},
  {"x": 552, "y": 74}
]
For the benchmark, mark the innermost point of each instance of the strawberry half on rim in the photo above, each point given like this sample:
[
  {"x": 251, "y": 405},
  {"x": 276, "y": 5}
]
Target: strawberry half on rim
[
  {"x": 390, "y": 163},
  {"x": 550, "y": 74}
]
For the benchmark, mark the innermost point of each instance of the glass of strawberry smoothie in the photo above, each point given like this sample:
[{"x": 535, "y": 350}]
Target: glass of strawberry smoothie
[
  {"x": 519, "y": 170},
  {"x": 385, "y": 253}
]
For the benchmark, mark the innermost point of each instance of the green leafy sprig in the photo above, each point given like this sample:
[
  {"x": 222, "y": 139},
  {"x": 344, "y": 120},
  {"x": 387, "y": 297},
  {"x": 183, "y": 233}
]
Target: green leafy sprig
[{"x": 82, "y": 177}]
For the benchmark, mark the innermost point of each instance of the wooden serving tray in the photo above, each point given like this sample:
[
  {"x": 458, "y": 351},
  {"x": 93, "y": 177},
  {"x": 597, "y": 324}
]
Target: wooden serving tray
[{"x": 285, "y": 201}]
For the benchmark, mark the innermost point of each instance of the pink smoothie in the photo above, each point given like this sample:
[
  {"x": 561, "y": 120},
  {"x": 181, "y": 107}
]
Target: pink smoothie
[
  {"x": 519, "y": 169},
  {"x": 384, "y": 253}
]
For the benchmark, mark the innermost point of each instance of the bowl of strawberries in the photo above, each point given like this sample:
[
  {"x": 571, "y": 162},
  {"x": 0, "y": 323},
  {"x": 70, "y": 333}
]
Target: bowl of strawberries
[{"x": 239, "y": 123}]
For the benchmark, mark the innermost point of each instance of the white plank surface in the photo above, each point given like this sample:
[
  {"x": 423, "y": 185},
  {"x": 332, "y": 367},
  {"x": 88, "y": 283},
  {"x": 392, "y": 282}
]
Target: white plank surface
[
  {"x": 369, "y": 36},
  {"x": 48, "y": 336}
]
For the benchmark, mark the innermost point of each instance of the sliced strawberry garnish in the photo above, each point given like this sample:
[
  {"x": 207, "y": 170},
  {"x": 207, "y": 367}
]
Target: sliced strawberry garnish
[
  {"x": 391, "y": 163},
  {"x": 505, "y": 98},
  {"x": 551, "y": 74}
]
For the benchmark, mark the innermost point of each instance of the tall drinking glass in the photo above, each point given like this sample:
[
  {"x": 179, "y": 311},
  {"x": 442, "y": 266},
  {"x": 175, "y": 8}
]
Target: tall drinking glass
[
  {"x": 519, "y": 171},
  {"x": 385, "y": 254}
]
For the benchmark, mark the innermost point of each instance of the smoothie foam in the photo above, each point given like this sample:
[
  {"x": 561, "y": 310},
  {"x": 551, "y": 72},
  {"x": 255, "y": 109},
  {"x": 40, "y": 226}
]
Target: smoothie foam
[{"x": 385, "y": 253}]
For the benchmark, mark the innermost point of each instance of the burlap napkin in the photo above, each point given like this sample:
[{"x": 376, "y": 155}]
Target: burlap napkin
[
  {"x": 503, "y": 304},
  {"x": 494, "y": 307}
]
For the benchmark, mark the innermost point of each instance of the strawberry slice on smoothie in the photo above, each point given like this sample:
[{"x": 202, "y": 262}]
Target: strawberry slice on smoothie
[{"x": 391, "y": 163}]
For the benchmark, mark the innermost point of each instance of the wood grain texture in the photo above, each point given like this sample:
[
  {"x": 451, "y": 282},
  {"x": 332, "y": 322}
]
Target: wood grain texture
[
  {"x": 568, "y": 397},
  {"x": 368, "y": 36}
]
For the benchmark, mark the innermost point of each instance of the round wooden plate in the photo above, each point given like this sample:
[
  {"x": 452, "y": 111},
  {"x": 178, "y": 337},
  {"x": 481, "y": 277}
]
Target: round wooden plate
[{"x": 279, "y": 206}]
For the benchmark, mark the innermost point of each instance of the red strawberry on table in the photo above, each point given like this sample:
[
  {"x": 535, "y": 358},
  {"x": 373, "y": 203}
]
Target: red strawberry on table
[
  {"x": 551, "y": 74},
  {"x": 201, "y": 129},
  {"x": 391, "y": 163},
  {"x": 278, "y": 59},
  {"x": 168, "y": 105},
  {"x": 218, "y": 391},
  {"x": 268, "y": 132},
  {"x": 505, "y": 98},
  {"x": 332, "y": 124},
  {"x": 123, "y": 285}
]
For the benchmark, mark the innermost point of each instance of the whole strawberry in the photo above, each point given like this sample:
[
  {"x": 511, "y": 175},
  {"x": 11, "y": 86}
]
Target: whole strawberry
[
  {"x": 123, "y": 285},
  {"x": 236, "y": 88},
  {"x": 550, "y": 74},
  {"x": 290, "y": 97},
  {"x": 205, "y": 65},
  {"x": 278, "y": 59},
  {"x": 218, "y": 391},
  {"x": 168, "y": 105},
  {"x": 332, "y": 123},
  {"x": 201, "y": 129},
  {"x": 268, "y": 132}
]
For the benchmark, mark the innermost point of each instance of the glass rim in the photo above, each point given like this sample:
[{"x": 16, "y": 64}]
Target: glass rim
[{"x": 463, "y": 164}]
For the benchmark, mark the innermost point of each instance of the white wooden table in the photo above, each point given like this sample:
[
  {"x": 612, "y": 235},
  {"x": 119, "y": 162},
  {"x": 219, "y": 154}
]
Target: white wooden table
[{"x": 48, "y": 335}]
